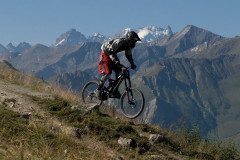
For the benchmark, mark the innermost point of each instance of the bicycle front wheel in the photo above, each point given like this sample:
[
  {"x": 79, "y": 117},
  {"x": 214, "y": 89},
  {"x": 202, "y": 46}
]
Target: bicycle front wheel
[
  {"x": 132, "y": 103},
  {"x": 89, "y": 95}
]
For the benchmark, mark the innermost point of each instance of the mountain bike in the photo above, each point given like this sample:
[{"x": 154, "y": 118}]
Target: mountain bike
[{"x": 132, "y": 100}]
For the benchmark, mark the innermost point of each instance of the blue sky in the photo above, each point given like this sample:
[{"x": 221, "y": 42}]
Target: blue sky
[{"x": 42, "y": 21}]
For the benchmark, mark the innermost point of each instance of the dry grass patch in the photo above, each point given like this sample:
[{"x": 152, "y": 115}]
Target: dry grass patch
[
  {"x": 23, "y": 140},
  {"x": 11, "y": 75}
]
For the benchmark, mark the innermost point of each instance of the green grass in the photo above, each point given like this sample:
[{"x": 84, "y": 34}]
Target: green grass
[
  {"x": 21, "y": 139},
  {"x": 108, "y": 129}
]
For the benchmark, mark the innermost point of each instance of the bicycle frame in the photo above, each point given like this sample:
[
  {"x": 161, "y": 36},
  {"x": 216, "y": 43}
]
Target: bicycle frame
[
  {"x": 124, "y": 76},
  {"x": 131, "y": 106}
]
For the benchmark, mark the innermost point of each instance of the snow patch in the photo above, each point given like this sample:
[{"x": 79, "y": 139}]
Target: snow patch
[
  {"x": 152, "y": 33},
  {"x": 59, "y": 43},
  {"x": 97, "y": 35}
]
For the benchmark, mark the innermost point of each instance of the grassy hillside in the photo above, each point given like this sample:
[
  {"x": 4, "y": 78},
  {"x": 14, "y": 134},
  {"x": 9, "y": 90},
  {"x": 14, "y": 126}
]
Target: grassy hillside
[
  {"x": 23, "y": 139},
  {"x": 85, "y": 135}
]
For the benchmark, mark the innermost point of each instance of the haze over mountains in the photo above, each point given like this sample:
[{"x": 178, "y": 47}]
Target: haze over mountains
[{"x": 188, "y": 78}]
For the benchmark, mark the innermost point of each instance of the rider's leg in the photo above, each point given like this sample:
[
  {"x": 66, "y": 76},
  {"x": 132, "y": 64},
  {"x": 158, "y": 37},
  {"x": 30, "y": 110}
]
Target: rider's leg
[
  {"x": 104, "y": 68},
  {"x": 117, "y": 70},
  {"x": 103, "y": 79}
]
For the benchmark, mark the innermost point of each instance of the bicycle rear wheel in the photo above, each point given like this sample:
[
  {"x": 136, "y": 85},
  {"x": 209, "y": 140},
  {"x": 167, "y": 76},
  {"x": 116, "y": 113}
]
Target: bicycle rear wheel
[
  {"x": 89, "y": 95},
  {"x": 132, "y": 103}
]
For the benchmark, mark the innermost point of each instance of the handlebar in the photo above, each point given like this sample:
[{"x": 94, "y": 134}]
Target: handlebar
[{"x": 126, "y": 68}]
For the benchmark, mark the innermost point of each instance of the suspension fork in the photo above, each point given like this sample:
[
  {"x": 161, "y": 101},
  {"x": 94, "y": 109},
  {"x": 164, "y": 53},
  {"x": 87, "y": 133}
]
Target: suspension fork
[{"x": 128, "y": 86}]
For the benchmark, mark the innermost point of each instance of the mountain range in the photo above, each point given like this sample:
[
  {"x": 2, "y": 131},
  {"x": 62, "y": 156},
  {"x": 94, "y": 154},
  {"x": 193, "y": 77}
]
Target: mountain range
[
  {"x": 189, "y": 78},
  {"x": 74, "y": 37}
]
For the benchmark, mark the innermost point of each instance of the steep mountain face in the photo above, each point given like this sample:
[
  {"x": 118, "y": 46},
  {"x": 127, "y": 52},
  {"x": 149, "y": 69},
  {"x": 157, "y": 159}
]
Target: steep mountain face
[
  {"x": 73, "y": 81},
  {"x": 197, "y": 90},
  {"x": 146, "y": 55},
  {"x": 225, "y": 46},
  {"x": 71, "y": 37},
  {"x": 190, "y": 42},
  {"x": 229, "y": 46},
  {"x": 39, "y": 56},
  {"x": 186, "y": 92},
  {"x": 187, "y": 39},
  {"x": 85, "y": 57}
]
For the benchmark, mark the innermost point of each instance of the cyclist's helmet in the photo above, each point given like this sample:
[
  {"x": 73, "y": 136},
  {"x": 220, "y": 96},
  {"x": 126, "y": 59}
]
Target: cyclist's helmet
[{"x": 132, "y": 36}]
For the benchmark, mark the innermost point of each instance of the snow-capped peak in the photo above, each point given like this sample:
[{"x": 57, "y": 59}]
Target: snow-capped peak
[
  {"x": 147, "y": 34},
  {"x": 151, "y": 33},
  {"x": 97, "y": 37}
]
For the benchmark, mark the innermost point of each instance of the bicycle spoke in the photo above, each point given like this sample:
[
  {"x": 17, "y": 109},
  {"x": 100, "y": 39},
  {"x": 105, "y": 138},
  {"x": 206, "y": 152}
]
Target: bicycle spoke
[
  {"x": 88, "y": 94},
  {"x": 132, "y": 103}
]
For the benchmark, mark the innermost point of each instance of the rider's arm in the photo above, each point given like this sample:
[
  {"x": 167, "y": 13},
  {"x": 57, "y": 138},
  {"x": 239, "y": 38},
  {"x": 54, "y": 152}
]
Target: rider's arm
[{"x": 128, "y": 54}]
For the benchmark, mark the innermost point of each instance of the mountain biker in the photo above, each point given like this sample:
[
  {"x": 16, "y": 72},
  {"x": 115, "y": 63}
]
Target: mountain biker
[{"x": 109, "y": 60}]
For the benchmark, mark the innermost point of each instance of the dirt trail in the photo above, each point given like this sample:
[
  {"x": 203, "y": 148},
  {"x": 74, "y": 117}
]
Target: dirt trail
[{"x": 17, "y": 98}]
